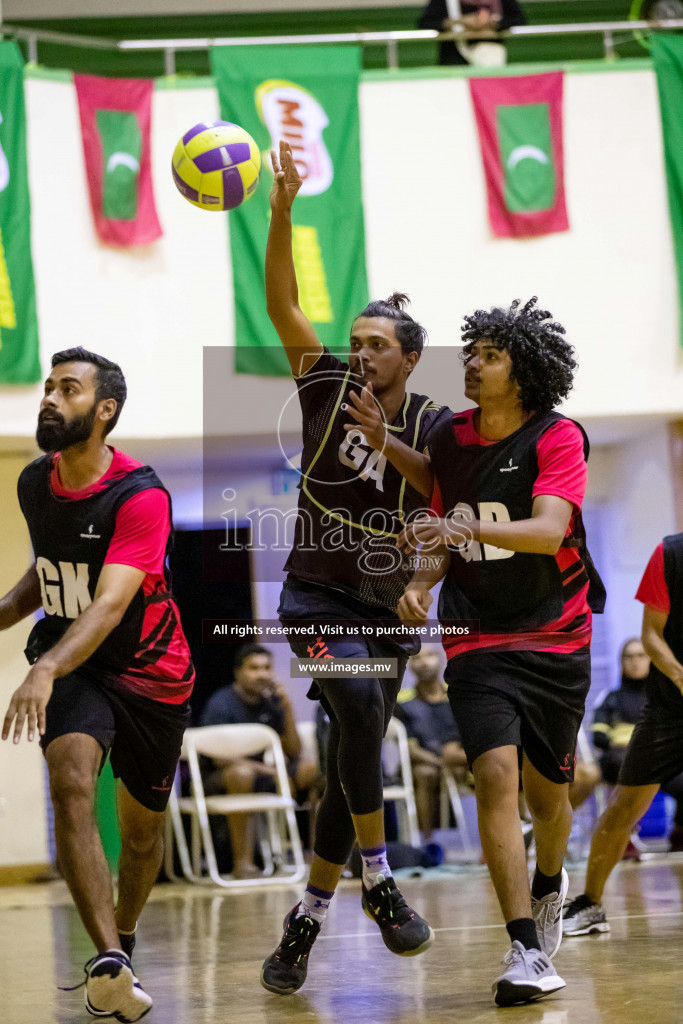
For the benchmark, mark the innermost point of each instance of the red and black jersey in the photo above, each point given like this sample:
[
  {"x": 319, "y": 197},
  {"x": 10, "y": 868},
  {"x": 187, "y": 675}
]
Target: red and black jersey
[
  {"x": 522, "y": 600},
  {"x": 71, "y": 537}
]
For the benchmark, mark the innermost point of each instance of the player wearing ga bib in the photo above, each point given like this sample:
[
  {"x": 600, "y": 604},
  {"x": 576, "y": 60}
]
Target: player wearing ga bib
[{"x": 352, "y": 501}]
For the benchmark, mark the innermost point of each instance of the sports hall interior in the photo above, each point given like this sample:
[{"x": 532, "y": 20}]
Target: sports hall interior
[{"x": 224, "y": 444}]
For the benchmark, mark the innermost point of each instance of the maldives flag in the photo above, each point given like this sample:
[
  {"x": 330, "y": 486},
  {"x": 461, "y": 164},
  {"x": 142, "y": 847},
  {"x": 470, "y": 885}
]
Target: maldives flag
[
  {"x": 115, "y": 124},
  {"x": 519, "y": 119}
]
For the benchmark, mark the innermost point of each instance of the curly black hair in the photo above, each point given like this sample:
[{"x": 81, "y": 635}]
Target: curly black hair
[
  {"x": 543, "y": 362},
  {"x": 410, "y": 334}
]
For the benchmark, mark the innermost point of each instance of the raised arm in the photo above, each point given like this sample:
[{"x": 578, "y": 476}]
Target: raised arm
[
  {"x": 116, "y": 586},
  {"x": 295, "y": 331},
  {"x": 22, "y": 600}
]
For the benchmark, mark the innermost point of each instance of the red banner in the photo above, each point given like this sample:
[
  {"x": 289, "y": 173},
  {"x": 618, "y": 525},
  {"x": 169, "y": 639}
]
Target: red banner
[
  {"x": 115, "y": 124},
  {"x": 519, "y": 119}
]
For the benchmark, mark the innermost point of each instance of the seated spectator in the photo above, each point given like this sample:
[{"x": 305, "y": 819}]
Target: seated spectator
[
  {"x": 254, "y": 697},
  {"x": 613, "y": 724},
  {"x": 486, "y": 17},
  {"x": 433, "y": 735}
]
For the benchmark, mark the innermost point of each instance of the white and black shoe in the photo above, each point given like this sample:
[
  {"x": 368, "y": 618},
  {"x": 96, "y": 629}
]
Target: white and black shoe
[
  {"x": 583, "y": 916},
  {"x": 112, "y": 990},
  {"x": 547, "y": 915},
  {"x": 528, "y": 975}
]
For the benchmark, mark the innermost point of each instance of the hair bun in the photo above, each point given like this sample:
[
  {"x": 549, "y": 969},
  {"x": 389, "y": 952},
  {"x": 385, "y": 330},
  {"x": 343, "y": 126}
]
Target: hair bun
[{"x": 399, "y": 300}]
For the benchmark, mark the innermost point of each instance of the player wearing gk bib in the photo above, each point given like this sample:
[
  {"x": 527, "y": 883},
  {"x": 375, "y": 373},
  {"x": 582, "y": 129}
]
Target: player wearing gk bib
[
  {"x": 111, "y": 667},
  {"x": 344, "y": 565},
  {"x": 510, "y": 479},
  {"x": 654, "y": 754}
]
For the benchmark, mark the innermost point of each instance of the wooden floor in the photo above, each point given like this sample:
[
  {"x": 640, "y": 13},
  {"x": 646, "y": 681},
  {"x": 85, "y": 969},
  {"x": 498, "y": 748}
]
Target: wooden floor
[{"x": 199, "y": 955}]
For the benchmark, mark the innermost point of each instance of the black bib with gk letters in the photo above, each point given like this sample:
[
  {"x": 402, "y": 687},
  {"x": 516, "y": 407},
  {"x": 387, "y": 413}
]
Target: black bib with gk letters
[{"x": 70, "y": 538}]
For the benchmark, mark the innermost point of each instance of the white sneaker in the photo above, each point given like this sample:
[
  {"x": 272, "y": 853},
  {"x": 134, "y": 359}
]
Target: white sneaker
[
  {"x": 112, "y": 990},
  {"x": 547, "y": 915},
  {"x": 528, "y": 975}
]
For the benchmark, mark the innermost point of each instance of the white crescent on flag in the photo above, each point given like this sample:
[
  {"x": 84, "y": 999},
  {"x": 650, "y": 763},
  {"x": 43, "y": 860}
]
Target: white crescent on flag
[
  {"x": 520, "y": 153},
  {"x": 123, "y": 159}
]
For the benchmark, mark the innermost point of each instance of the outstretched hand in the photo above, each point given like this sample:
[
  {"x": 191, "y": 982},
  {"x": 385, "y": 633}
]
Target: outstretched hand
[{"x": 286, "y": 179}]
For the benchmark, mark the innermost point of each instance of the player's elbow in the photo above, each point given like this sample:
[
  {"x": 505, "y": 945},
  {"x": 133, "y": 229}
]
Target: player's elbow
[{"x": 111, "y": 608}]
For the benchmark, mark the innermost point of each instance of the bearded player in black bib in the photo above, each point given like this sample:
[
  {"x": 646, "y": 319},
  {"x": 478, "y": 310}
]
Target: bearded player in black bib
[
  {"x": 510, "y": 476},
  {"x": 344, "y": 566},
  {"x": 111, "y": 667}
]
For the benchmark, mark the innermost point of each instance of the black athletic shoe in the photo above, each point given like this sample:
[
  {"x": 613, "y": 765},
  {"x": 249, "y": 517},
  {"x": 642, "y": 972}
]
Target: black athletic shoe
[
  {"x": 404, "y": 932},
  {"x": 127, "y": 943},
  {"x": 285, "y": 970}
]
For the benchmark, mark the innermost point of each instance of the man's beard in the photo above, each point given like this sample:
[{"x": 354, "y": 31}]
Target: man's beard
[{"x": 54, "y": 435}]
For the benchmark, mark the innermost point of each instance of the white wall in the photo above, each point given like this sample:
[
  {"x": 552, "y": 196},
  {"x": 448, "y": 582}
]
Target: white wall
[{"x": 610, "y": 279}]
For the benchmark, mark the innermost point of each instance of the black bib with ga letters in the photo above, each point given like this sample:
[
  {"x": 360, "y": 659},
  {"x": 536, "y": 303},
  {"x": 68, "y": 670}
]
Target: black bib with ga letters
[
  {"x": 352, "y": 501},
  {"x": 507, "y": 591},
  {"x": 70, "y": 539}
]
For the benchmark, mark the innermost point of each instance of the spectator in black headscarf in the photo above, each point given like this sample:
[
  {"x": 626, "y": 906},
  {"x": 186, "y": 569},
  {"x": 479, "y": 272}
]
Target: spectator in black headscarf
[{"x": 485, "y": 17}]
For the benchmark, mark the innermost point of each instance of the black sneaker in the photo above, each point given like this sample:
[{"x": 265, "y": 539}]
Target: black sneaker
[
  {"x": 285, "y": 970},
  {"x": 404, "y": 932}
]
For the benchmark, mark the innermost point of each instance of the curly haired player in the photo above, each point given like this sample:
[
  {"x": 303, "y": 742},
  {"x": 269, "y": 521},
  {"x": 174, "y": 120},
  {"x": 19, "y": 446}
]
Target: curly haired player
[{"x": 510, "y": 479}]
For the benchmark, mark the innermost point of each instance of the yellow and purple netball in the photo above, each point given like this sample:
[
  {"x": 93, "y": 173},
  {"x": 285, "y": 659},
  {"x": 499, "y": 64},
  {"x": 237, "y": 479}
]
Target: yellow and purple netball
[{"x": 216, "y": 165}]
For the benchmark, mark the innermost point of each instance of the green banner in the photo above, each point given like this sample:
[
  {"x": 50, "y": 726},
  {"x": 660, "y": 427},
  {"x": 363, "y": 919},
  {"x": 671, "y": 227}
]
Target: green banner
[
  {"x": 524, "y": 132},
  {"x": 309, "y": 97},
  {"x": 19, "y": 361},
  {"x": 667, "y": 52},
  {"x": 121, "y": 151}
]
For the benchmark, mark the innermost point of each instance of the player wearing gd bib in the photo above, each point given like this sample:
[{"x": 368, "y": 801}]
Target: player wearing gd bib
[
  {"x": 510, "y": 480},
  {"x": 344, "y": 565}
]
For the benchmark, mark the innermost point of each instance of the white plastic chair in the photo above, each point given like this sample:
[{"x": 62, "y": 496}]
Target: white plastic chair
[
  {"x": 223, "y": 742},
  {"x": 449, "y": 794},
  {"x": 402, "y": 792}
]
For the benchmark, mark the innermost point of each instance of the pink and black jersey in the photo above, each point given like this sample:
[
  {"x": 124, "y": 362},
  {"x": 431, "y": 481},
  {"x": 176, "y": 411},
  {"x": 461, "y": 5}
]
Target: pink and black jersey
[
  {"x": 522, "y": 600},
  {"x": 123, "y": 518}
]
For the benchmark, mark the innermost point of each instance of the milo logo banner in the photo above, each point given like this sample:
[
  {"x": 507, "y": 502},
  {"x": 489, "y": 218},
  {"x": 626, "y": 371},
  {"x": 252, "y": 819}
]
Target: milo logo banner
[
  {"x": 308, "y": 97},
  {"x": 19, "y": 362}
]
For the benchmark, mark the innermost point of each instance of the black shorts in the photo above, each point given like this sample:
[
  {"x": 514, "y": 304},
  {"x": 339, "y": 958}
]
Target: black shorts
[
  {"x": 307, "y": 602},
  {"x": 531, "y": 699},
  {"x": 143, "y": 737},
  {"x": 654, "y": 755}
]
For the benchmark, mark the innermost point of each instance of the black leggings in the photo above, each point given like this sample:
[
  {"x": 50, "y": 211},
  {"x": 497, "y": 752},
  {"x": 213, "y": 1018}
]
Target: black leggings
[{"x": 359, "y": 712}]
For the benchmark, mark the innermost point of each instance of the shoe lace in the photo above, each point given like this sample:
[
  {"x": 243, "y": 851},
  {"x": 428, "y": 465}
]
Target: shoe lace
[
  {"x": 548, "y": 914},
  {"x": 513, "y": 956},
  {"x": 88, "y": 964},
  {"x": 298, "y": 939},
  {"x": 389, "y": 905},
  {"x": 578, "y": 904}
]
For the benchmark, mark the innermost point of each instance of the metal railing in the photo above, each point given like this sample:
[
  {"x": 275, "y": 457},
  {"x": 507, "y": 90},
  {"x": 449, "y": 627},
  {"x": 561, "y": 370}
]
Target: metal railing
[{"x": 391, "y": 40}]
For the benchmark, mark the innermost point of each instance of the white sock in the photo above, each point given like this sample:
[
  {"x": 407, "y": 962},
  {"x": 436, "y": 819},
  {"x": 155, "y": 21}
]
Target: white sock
[
  {"x": 315, "y": 903},
  {"x": 375, "y": 863}
]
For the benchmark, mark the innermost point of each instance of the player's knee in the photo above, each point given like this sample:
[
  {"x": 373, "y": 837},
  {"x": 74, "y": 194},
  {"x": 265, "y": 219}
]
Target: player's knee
[
  {"x": 143, "y": 839},
  {"x": 71, "y": 785},
  {"x": 495, "y": 781}
]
